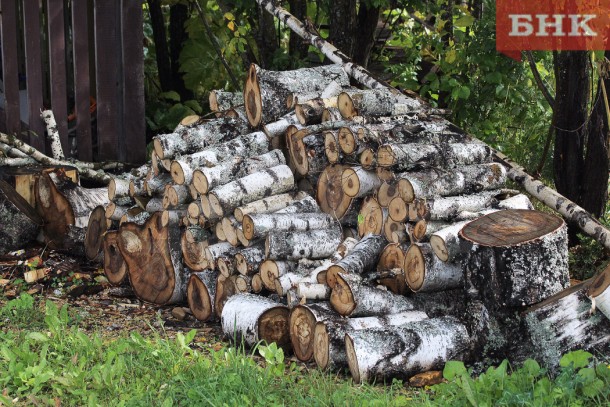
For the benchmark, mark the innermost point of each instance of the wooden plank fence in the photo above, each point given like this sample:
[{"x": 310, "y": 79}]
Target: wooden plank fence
[{"x": 84, "y": 60}]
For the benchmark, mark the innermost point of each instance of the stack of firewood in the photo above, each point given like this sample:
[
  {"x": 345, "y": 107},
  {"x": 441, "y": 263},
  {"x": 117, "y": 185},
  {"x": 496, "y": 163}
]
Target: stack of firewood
[{"x": 413, "y": 251}]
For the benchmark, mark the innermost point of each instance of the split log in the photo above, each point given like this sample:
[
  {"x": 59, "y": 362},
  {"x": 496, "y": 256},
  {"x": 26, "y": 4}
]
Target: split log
[
  {"x": 20, "y": 222},
  {"x": 115, "y": 267},
  {"x": 249, "y": 259},
  {"x": 221, "y": 100},
  {"x": 516, "y": 257},
  {"x": 425, "y": 272},
  {"x": 200, "y": 294},
  {"x": 266, "y": 205},
  {"x": 358, "y": 183},
  {"x": 314, "y": 244},
  {"x": 259, "y": 225},
  {"x": 251, "y": 318},
  {"x": 198, "y": 138},
  {"x": 205, "y": 179},
  {"x": 248, "y": 145},
  {"x": 375, "y": 102},
  {"x": 96, "y": 227},
  {"x": 403, "y": 351},
  {"x": 265, "y": 92},
  {"x": 361, "y": 258},
  {"x": 193, "y": 242},
  {"x": 154, "y": 260},
  {"x": 61, "y": 203},
  {"x": 226, "y": 198},
  {"x": 563, "y": 323},
  {"x": 303, "y": 319},
  {"x": 458, "y": 181},
  {"x": 351, "y": 297},
  {"x": 404, "y": 157}
]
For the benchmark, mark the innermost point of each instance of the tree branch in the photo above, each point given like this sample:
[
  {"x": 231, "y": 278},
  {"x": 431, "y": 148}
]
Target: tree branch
[{"x": 547, "y": 95}]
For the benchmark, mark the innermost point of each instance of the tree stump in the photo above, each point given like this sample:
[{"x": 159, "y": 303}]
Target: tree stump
[{"x": 516, "y": 257}]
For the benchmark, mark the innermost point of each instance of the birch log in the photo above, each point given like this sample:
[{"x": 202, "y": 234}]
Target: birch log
[
  {"x": 266, "y": 92},
  {"x": 249, "y": 145},
  {"x": 515, "y": 257},
  {"x": 361, "y": 258},
  {"x": 375, "y": 102},
  {"x": 314, "y": 244},
  {"x": 207, "y": 178},
  {"x": 403, "y": 157},
  {"x": 351, "y": 297},
  {"x": 20, "y": 222},
  {"x": 198, "y": 138},
  {"x": 358, "y": 182},
  {"x": 266, "y": 205},
  {"x": 329, "y": 335},
  {"x": 425, "y": 272},
  {"x": 256, "y": 225},
  {"x": 221, "y": 100},
  {"x": 599, "y": 292},
  {"x": 251, "y": 318},
  {"x": 193, "y": 242},
  {"x": 115, "y": 267},
  {"x": 96, "y": 227},
  {"x": 303, "y": 319},
  {"x": 276, "y": 180},
  {"x": 403, "y": 351},
  {"x": 200, "y": 294},
  {"x": 53, "y": 134},
  {"x": 249, "y": 259}
]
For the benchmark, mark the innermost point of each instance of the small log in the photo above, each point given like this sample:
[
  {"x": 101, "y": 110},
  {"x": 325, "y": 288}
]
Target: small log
[
  {"x": 372, "y": 217},
  {"x": 398, "y": 210},
  {"x": 154, "y": 259},
  {"x": 229, "y": 226},
  {"x": 329, "y": 335},
  {"x": 251, "y": 318},
  {"x": 20, "y": 222},
  {"x": 200, "y": 294},
  {"x": 375, "y": 102},
  {"x": 330, "y": 195},
  {"x": 249, "y": 145},
  {"x": 243, "y": 284},
  {"x": 311, "y": 111},
  {"x": 198, "y": 138},
  {"x": 248, "y": 260},
  {"x": 425, "y": 272},
  {"x": 391, "y": 229},
  {"x": 257, "y": 284},
  {"x": 156, "y": 185},
  {"x": 115, "y": 267},
  {"x": 307, "y": 151},
  {"x": 303, "y": 319},
  {"x": 314, "y": 244},
  {"x": 61, "y": 203},
  {"x": 94, "y": 235},
  {"x": 265, "y": 92},
  {"x": 277, "y": 128},
  {"x": 516, "y": 257},
  {"x": 358, "y": 182},
  {"x": 270, "y": 270},
  {"x": 387, "y": 192},
  {"x": 403, "y": 351},
  {"x": 213, "y": 252},
  {"x": 262, "y": 184},
  {"x": 351, "y": 297},
  {"x": 207, "y": 178},
  {"x": 599, "y": 292},
  {"x": 458, "y": 181},
  {"x": 361, "y": 258},
  {"x": 226, "y": 265},
  {"x": 404, "y": 157},
  {"x": 331, "y": 114},
  {"x": 193, "y": 242},
  {"x": 135, "y": 215},
  {"x": 392, "y": 258},
  {"x": 221, "y": 100},
  {"x": 255, "y": 225},
  {"x": 115, "y": 212},
  {"x": 449, "y": 207},
  {"x": 267, "y": 205}
]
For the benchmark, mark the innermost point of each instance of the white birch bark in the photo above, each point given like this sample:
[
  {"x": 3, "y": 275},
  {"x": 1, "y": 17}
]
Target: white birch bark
[{"x": 314, "y": 244}]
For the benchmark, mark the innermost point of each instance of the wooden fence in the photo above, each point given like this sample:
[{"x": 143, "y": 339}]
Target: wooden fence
[{"x": 84, "y": 60}]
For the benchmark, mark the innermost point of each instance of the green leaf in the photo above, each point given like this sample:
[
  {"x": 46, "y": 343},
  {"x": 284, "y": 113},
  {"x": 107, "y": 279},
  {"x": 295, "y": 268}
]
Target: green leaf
[
  {"x": 360, "y": 218},
  {"x": 464, "y": 92},
  {"x": 171, "y": 95},
  {"x": 37, "y": 336},
  {"x": 464, "y": 21},
  {"x": 453, "y": 369},
  {"x": 194, "y": 105},
  {"x": 531, "y": 367},
  {"x": 229, "y": 16},
  {"x": 577, "y": 359}
]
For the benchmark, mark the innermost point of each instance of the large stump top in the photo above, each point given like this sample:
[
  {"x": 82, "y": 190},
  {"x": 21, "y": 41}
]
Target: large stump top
[{"x": 510, "y": 227}]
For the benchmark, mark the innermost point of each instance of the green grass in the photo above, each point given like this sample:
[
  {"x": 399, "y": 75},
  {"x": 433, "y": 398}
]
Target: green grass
[{"x": 45, "y": 358}]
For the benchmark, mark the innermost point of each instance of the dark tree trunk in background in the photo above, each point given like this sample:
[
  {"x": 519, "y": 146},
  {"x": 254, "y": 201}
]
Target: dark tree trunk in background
[
  {"x": 572, "y": 97},
  {"x": 595, "y": 176},
  {"x": 342, "y": 15},
  {"x": 163, "y": 59},
  {"x": 266, "y": 37},
  {"x": 178, "y": 15},
  {"x": 297, "y": 48},
  {"x": 364, "y": 34}
]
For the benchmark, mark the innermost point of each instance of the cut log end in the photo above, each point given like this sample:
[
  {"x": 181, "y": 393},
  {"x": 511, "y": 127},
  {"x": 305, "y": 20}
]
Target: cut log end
[
  {"x": 367, "y": 159},
  {"x": 346, "y": 106},
  {"x": 352, "y": 359},
  {"x": 252, "y": 98},
  {"x": 273, "y": 326},
  {"x": 199, "y": 299},
  {"x": 385, "y": 156},
  {"x": 439, "y": 247},
  {"x": 158, "y": 147},
  {"x": 302, "y": 325},
  {"x": 200, "y": 182},
  {"x": 321, "y": 346},
  {"x": 398, "y": 210},
  {"x": 115, "y": 268},
  {"x": 177, "y": 172},
  {"x": 347, "y": 140},
  {"x": 331, "y": 147},
  {"x": 248, "y": 227},
  {"x": 351, "y": 182},
  {"x": 415, "y": 267},
  {"x": 341, "y": 297},
  {"x": 95, "y": 232}
]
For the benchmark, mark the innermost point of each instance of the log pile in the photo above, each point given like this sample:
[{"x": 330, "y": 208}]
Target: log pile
[{"x": 357, "y": 227}]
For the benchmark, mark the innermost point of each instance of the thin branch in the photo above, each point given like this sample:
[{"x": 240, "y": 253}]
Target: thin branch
[
  {"x": 547, "y": 95},
  {"x": 216, "y": 46}
]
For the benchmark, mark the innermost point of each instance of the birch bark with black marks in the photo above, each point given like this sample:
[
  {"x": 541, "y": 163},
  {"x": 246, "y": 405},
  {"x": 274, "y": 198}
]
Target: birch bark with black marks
[
  {"x": 404, "y": 157},
  {"x": 221, "y": 100},
  {"x": 361, "y": 258},
  {"x": 271, "y": 204},
  {"x": 256, "y": 225},
  {"x": 20, "y": 222},
  {"x": 314, "y": 244},
  {"x": 425, "y": 272},
  {"x": 375, "y": 102}
]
